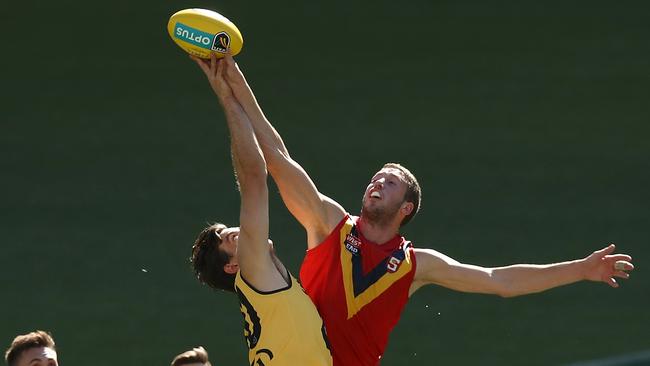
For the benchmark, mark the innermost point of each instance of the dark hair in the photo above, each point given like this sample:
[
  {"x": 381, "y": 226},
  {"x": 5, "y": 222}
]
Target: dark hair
[
  {"x": 198, "y": 354},
  {"x": 208, "y": 259},
  {"x": 24, "y": 342},
  {"x": 413, "y": 193}
]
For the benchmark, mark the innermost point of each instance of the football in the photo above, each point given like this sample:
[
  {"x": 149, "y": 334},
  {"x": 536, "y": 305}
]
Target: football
[{"x": 201, "y": 32}]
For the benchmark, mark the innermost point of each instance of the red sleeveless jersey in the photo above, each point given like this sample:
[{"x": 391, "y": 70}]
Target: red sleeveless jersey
[{"x": 359, "y": 289}]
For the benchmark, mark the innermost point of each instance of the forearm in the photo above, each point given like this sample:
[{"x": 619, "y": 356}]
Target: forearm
[
  {"x": 246, "y": 154},
  {"x": 269, "y": 139},
  {"x": 247, "y": 158},
  {"x": 521, "y": 279}
]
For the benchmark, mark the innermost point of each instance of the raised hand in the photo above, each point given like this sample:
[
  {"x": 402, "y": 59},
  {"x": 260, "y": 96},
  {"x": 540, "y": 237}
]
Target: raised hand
[
  {"x": 232, "y": 72},
  {"x": 214, "y": 71}
]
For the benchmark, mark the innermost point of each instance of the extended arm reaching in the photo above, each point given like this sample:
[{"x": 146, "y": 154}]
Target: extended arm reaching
[
  {"x": 317, "y": 213},
  {"x": 518, "y": 279},
  {"x": 253, "y": 252}
]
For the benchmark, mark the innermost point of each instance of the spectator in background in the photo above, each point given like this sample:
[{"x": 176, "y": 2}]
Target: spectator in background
[
  {"x": 197, "y": 356},
  {"x": 32, "y": 349}
]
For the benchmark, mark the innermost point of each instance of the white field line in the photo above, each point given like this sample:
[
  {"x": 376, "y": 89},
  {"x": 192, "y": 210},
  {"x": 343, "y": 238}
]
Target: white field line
[{"x": 637, "y": 358}]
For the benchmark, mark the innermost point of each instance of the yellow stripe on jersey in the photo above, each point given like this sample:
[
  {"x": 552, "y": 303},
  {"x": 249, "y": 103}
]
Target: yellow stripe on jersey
[
  {"x": 373, "y": 284},
  {"x": 282, "y": 327}
]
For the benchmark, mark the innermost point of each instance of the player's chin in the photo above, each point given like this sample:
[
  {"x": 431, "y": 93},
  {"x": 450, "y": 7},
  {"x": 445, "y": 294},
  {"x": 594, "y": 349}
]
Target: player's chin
[
  {"x": 373, "y": 206},
  {"x": 369, "y": 203}
]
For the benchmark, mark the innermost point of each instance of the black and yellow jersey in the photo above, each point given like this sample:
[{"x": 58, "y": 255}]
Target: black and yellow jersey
[{"x": 282, "y": 327}]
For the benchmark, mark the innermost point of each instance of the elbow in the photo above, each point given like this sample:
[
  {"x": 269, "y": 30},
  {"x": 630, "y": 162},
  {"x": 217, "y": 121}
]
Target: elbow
[
  {"x": 276, "y": 154},
  {"x": 507, "y": 294},
  {"x": 505, "y": 289},
  {"x": 511, "y": 290},
  {"x": 278, "y": 160},
  {"x": 503, "y": 284}
]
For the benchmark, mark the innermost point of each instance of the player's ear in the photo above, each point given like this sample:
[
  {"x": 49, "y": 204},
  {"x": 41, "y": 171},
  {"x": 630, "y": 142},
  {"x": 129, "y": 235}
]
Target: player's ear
[
  {"x": 407, "y": 208},
  {"x": 231, "y": 268}
]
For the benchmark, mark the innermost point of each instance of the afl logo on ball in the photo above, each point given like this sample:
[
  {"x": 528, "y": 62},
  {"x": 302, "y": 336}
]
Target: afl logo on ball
[{"x": 221, "y": 42}]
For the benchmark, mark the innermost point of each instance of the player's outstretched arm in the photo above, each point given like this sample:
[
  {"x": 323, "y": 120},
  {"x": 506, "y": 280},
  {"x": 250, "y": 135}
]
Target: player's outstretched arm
[
  {"x": 317, "y": 213},
  {"x": 253, "y": 251},
  {"x": 519, "y": 279}
]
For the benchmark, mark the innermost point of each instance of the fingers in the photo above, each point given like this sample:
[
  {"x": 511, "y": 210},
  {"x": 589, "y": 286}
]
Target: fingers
[
  {"x": 202, "y": 64},
  {"x": 619, "y": 257},
  {"x": 229, "y": 63},
  {"x": 220, "y": 70},
  {"x": 618, "y": 270},
  {"x": 623, "y": 265},
  {"x": 228, "y": 57},
  {"x": 607, "y": 250},
  {"x": 210, "y": 67},
  {"x": 612, "y": 282},
  {"x": 621, "y": 274},
  {"x": 213, "y": 64},
  {"x": 232, "y": 68}
]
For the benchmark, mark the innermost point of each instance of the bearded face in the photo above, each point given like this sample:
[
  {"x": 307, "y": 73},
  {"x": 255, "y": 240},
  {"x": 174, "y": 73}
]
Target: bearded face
[
  {"x": 380, "y": 214},
  {"x": 383, "y": 197}
]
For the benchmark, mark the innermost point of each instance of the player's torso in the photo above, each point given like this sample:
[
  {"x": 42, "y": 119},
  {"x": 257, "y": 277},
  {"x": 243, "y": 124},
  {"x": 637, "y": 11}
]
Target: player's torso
[
  {"x": 282, "y": 328},
  {"x": 360, "y": 289}
]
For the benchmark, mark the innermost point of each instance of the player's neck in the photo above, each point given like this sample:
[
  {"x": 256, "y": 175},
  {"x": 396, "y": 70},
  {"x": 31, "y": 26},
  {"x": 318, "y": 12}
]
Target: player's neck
[{"x": 376, "y": 232}]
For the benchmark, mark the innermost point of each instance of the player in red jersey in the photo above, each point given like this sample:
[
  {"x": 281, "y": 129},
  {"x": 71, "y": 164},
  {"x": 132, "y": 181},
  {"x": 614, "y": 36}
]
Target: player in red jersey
[{"x": 360, "y": 272}]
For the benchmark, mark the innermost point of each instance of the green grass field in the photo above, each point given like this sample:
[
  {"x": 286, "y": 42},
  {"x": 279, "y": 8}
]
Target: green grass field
[{"x": 526, "y": 124}]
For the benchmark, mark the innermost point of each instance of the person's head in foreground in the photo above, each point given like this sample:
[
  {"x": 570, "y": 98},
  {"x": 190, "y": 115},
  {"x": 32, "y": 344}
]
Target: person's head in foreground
[
  {"x": 393, "y": 194},
  {"x": 198, "y": 356},
  {"x": 32, "y": 349}
]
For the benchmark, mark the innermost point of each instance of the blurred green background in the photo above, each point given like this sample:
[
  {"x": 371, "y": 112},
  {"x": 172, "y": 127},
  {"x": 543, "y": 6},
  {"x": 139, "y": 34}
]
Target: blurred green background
[{"x": 525, "y": 122}]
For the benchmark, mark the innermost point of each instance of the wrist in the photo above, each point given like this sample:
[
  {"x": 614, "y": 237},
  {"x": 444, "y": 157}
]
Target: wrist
[
  {"x": 226, "y": 99},
  {"x": 581, "y": 269}
]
